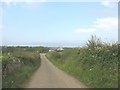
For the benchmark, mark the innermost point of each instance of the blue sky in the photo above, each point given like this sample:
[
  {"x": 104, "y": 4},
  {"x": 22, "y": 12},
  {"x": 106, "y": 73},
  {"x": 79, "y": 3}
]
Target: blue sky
[{"x": 58, "y": 24}]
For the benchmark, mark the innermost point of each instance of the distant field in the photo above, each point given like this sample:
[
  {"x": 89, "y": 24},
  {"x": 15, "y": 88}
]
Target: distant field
[
  {"x": 96, "y": 65},
  {"x": 18, "y": 63}
]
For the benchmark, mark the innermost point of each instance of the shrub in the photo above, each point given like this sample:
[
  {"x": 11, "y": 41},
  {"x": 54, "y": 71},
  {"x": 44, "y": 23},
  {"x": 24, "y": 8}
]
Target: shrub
[
  {"x": 17, "y": 66},
  {"x": 95, "y": 65}
]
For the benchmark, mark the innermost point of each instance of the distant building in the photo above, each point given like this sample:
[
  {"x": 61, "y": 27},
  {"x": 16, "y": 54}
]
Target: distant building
[
  {"x": 51, "y": 50},
  {"x": 59, "y": 49}
]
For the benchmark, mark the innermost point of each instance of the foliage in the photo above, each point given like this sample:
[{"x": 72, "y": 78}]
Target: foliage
[
  {"x": 18, "y": 63},
  {"x": 94, "y": 42},
  {"x": 95, "y": 65}
]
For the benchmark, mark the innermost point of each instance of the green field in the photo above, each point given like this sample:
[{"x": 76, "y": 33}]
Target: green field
[{"x": 96, "y": 64}]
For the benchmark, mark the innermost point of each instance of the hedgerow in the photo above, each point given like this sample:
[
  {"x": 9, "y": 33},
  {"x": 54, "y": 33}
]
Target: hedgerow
[{"x": 95, "y": 64}]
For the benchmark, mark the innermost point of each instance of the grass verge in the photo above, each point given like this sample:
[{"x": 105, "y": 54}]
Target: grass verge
[{"x": 96, "y": 65}]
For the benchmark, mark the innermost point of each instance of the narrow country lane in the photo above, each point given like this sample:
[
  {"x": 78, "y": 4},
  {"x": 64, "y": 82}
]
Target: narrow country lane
[{"x": 49, "y": 76}]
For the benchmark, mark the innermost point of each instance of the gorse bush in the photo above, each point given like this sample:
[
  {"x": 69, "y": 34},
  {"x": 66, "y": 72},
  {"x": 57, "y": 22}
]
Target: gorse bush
[{"x": 95, "y": 65}]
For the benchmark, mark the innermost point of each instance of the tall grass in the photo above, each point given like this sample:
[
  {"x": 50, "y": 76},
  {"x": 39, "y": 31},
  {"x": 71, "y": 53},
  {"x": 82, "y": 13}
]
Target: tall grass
[{"x": 96, "y": 65}]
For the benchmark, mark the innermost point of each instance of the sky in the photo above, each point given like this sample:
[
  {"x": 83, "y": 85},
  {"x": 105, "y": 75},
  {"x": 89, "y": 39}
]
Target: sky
[{"x": 57, "y": 24}]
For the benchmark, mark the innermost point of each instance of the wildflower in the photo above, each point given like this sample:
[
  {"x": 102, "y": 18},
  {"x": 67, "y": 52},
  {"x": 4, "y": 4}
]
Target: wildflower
[
  {"x": 108, "y": 50},
  {"x": 89, "y": 49},
  {"x": 90, "y": 69},
  {"x": 12, "y": 81},
  {"x": 110, "y": 68},
  {"x": 93, "y": 56},
  {"x": 114, "y": 54},
  {"x": 99, "y": 48}
]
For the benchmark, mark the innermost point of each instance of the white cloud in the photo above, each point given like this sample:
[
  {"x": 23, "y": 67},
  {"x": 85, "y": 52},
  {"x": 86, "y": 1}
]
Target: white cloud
[
  {"x": 30, "y": 4},
  {"x": 14, "y": 2},
  {"x": 110, "y": 23},
  {"x": 109, "y": 3}
]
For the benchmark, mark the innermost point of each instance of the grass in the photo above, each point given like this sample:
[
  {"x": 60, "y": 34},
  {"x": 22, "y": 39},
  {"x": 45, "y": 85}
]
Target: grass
[
  {"x": 18, "y": 66},
  {"x": 96, "y": 67}
]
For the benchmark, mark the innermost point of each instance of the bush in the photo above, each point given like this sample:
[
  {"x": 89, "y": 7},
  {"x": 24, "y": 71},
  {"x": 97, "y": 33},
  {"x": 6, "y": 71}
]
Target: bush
[
  {"x": 17, "y": 66},
  {"x": 94, "y": 42},
  {"x": 95, "y": 65}
]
